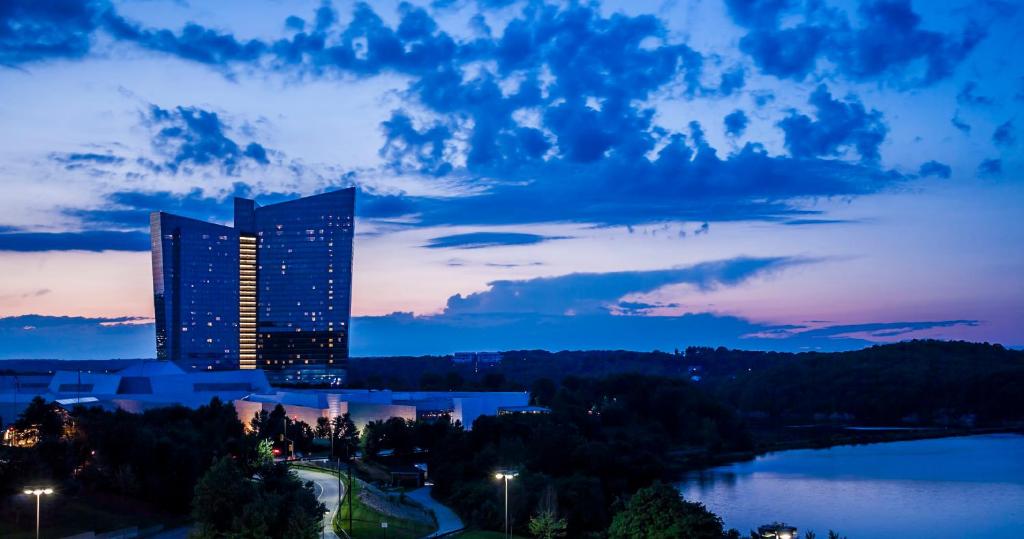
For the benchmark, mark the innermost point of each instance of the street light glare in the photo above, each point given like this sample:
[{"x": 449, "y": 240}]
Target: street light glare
[{"x": 48, "y": 491}]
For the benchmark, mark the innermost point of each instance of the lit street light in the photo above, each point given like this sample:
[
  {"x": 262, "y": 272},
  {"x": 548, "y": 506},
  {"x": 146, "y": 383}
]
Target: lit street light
[
  {"x": 38, "y": 492},
  {"x": 506, "y": 476}
]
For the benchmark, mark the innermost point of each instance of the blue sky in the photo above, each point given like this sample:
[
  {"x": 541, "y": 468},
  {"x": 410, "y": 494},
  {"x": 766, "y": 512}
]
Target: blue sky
[{"x": 782, "y": 174}]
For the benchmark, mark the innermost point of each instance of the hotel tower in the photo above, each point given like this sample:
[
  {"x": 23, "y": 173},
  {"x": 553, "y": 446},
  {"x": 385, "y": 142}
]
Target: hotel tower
[{"x": 273, "y": 292}]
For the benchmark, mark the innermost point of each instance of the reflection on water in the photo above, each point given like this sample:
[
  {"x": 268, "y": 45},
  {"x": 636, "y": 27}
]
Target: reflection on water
[{"x": 953, "y": 487}]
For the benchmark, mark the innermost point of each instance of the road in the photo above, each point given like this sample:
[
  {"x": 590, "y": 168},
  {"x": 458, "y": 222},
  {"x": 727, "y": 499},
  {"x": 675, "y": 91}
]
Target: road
[
  {"x": 326, "y": 488},
  {"x": 447, "y": 520}
]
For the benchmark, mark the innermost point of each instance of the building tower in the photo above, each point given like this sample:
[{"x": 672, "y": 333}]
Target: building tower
[{"x": 274, "y": 292}]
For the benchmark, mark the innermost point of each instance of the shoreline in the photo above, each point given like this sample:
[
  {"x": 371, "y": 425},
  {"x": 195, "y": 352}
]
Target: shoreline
[{"x": 682, "y": 462}]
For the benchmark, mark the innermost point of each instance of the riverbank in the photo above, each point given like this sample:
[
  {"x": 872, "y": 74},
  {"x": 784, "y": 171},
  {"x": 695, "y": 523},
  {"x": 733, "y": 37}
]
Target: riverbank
[{"x": 772, "y": 440}]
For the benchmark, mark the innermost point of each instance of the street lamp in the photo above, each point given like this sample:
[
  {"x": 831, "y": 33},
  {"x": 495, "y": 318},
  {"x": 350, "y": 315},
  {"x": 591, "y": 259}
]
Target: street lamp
[
  {"x": 506, "y": 476},
  {"x": 38, "y": 492}
]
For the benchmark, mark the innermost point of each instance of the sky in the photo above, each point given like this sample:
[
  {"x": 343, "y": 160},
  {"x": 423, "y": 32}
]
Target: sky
[{"x": 782, "y": 175}]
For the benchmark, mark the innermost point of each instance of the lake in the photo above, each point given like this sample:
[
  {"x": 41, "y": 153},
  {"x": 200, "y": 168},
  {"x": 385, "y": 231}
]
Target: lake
[{"x": 971, "y": 486}]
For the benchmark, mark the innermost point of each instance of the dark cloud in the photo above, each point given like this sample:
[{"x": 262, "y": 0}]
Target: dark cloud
[
  {"x": 72, "y": 161},
  {"x": 478, "y": 240},
  {"x": 838, "y": 126},
  {"x": 195, "y": 42},
  {"x": 71, "y": 337},
  {"x": 191, "y": 137},
  {"x": 553, "y": 123},
  {"x": 36, "y": 30},
  {"x": 1004, "y": 135},
  {"x": 736, "y": 123},
  {"x": 960, "y": 124},
  {"x": 732, "y": 81},
  {"x": 442, "y": 334},
  {"x": 991, "y": 167},
  {"x": 408, "y": 148},
  {"x": 131, "y": 209},
  {"x": 377, "y": 206},
  {"x": 935, "y": 168},
  {"x": 887, "y": 44},
  {"x": 812, "y": 222},
  {"x": 588, "y": 293},
  {"x": 968, "y": 97},
  {"x": 93, "y": 240}
]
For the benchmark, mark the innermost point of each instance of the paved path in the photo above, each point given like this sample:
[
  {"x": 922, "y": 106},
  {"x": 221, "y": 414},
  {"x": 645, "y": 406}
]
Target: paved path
[
  {"x": 447, "y": 520},
  {"x": 326, "y": 488}
]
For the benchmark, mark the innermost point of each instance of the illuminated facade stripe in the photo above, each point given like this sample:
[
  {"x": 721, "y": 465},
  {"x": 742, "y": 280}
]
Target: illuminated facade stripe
[{"x": 246, "y": 301}]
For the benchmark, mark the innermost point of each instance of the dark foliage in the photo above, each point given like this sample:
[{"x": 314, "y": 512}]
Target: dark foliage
[
  {"x": 603, "y": 440},
  {"x": 920, "y": 382},
  {"x": 228, "y": 503}
]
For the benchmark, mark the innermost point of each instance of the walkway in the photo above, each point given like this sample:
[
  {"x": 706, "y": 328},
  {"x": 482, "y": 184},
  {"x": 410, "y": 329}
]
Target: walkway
[
  {"x": 325, "y": 485},
  {"x": 447, "y": 520}
]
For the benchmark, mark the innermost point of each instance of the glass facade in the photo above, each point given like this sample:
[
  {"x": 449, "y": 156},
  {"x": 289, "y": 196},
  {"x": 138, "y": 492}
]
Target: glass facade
[
  {"x": 195, "y": 291},
  {"x": 277, "y": 286},
  {"x": 304, "y": 281}
]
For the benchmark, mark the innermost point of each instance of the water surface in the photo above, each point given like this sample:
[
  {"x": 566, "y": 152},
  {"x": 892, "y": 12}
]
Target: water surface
[{"x": 971, "y": 486}]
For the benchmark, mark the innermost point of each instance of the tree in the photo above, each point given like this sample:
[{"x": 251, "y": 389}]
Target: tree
[
  {"x": 546, "y": 524},
  {"x": 323, "y": 428},
  {"x": 659, "y": 512},
  {"x": 220, "y": 494},
  {"x": 264, "y": 454},
  {"x": 228, "y": 503},
  {"x": 346, "y": 436},
  {"x": 47, "y": 418}
]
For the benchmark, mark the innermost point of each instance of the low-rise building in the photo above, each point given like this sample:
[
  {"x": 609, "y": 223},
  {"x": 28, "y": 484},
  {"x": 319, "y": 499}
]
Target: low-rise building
[{"x": 154, "y": 384}]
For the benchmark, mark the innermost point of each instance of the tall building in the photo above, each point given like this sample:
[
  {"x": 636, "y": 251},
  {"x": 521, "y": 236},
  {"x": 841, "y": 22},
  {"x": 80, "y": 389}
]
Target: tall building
[{"x": 273, "y": 292}]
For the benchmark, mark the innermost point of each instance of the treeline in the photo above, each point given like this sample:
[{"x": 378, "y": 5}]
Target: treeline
[
  {"x": 152, "y": 462},
  {"x": 603, "y": 440},
  {"x": 912, "y": 383},
  {"x": 154, "y": 457},
  {"x": 923, "y": 382}
]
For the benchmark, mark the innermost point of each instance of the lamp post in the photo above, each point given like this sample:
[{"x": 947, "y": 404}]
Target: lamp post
[
  {"x": 38, "y": 493},
  {"x": 506, "y": 476}
]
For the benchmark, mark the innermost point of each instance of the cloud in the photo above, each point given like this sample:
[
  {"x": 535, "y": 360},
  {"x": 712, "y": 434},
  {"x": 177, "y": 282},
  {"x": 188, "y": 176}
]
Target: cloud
[
  {"x": 477, "y": 240},
  {"x": 732, "y": 81},
  {"x": 32, "y": 31},
  {"x": 588, "y": 293},
  {"x": 68, "y": 337},
  {"x": 131, "y": 209},
  {"x": 968, "y": 97},
  {"x": 812, "y": 222},
  {"x": 935, "y": 168},
  {"x": 92, "y": 240},
  {"x": 875, "y": 331},
  {"x": 191, "y": 137},
  {"x": 552, "y": 119},
  {"x": 735, "y": 123},
  {"x": 838, "y": 126},
  {"x": 194, "y": 42},
  {"x": 786, "y": 38},
  {"x": 991, "y": 167},
  {"x": 442, "y": 334},
  {"x": 958, "y": 123},
  {"x": 1004, "y": 135},
  {"x": 72, "y": 161},
  {"x": 53, "y": 337}
]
